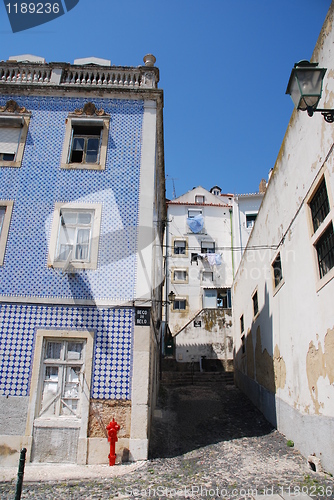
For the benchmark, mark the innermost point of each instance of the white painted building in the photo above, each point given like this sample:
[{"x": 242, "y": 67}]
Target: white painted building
[
  {"x": 284, "y": 287},
  {"x": 245, "y": 209},
  {"x": 199, "y": 274}
]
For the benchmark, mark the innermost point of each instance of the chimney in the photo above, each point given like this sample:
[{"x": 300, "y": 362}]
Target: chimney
[{"x": 263, "y": 186}]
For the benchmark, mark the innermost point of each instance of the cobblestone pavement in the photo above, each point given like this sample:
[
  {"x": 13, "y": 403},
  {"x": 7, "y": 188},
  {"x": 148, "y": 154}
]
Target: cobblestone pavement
[{"x": 209, "y": 442}]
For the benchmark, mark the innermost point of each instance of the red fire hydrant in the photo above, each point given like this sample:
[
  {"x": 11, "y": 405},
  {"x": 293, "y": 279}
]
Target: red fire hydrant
[{"x": 112, "y": 429}]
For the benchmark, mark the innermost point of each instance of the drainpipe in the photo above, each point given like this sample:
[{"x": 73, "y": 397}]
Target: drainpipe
[
  {"x": 166, "y": 276},
  {"x": 232, "y": 243}
]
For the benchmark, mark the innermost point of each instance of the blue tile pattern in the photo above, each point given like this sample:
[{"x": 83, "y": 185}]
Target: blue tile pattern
[
  {"x": 112, "y": 367},
  {"x": 40, "y": 182}
]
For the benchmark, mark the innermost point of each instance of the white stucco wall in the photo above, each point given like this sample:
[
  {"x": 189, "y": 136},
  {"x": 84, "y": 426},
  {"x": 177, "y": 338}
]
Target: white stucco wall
[
  {"x": 242, "y": 206},
  {"x": 217, "y": 228},
  {"x": 288, "y": 364}
]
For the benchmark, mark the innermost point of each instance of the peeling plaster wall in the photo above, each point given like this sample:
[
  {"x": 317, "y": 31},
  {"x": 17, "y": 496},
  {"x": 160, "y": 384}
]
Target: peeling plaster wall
[
  {"x": 213, "y": 339},
  {"x": 288, "y": 365}
]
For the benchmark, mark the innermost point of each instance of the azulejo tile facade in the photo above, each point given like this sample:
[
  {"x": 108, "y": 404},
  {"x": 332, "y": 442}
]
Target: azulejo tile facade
[
  {"x": 76, "y": 240},
  {"x": 40, "y": 182},
  {"x": 112, "y": 357}
]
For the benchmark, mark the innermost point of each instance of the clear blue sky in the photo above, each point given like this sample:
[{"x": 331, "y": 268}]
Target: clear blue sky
[{"x": 224, "y": 66}]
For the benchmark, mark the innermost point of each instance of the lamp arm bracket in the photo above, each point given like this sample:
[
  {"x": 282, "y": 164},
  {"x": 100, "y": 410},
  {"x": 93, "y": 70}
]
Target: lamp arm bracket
[{"x": 328, "y": 114}]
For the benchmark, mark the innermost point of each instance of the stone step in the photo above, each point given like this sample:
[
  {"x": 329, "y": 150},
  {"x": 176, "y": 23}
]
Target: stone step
[{"x": 197, "y": 378}]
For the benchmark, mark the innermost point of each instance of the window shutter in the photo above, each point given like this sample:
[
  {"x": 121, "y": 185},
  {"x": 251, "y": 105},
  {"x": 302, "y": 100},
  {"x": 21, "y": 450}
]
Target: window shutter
[{"x": 9, "y": 139}]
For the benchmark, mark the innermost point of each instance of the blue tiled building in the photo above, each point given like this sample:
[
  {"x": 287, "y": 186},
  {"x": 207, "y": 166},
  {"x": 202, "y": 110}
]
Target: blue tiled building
[{"x": 82, "y": 215}]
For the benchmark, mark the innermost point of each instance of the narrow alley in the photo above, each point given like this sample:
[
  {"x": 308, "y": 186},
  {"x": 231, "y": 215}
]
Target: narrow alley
[{"x": 208, "y": 441}]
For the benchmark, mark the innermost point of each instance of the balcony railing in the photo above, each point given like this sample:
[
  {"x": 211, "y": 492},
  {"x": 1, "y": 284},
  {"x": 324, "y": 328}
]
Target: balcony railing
[
  {"x": 26, "y": 74},
  {"x": 79, "y": 76}
]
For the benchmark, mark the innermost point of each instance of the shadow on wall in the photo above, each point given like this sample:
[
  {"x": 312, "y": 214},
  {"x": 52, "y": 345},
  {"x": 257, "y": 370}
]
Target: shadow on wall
[{"x": 260, "y": 369}]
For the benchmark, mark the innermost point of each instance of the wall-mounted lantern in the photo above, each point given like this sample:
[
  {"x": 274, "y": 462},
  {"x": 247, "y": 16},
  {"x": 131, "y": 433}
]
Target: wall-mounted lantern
[{"x": 305, "y": 89}]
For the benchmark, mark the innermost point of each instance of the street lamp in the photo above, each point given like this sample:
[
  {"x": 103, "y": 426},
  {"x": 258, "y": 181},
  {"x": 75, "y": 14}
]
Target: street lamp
[{"x": 305, "y": 88}]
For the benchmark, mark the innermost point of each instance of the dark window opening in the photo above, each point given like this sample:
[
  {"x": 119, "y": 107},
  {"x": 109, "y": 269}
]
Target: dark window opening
[
  {"x": 179, "y": 247},
  {"x": 7, "y": 156},
  {"x": 319, "y": 205},
  {"x": 255, "y": 304},
  {"x": 194, "y": 258},
  {"x": 208, "y": 247},
  {"x": 325, "y": 251},
  {"x": 250, "y": 219},
  {"x": 277, "y": 268},
  {"x": 85, "y": 144},
  {"x": 242, "y": 327},
  {"x": 179, "y": 304},
  {"x": 243, "y": 349}
]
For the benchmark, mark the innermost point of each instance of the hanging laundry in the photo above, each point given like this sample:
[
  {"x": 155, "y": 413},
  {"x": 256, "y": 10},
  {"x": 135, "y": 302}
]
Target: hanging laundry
[{"x": 196, "y": 223}]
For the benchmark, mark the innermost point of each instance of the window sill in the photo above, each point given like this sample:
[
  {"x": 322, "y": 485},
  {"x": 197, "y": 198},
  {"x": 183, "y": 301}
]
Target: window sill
[
  {"x": 256, "y": 316},
  {"x": 279, "y": 286},
  {"x": 11, "y": 164},
  {"x": 326, "y": 279},
  {"x": 59, "y": 422},
  {"x": 82, "y": 166},
  {"x": 74, "y": 266}
]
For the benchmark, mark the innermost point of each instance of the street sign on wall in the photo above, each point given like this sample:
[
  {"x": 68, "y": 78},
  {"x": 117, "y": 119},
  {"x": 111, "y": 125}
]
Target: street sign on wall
[{"x": 142, "y": 316}]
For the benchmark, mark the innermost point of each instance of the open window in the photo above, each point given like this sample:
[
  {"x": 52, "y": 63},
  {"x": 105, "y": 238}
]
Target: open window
[
  {"x": 250, "y": 220},
  {"x": 255, "y": 301},
  {"x": 6, "y": 208},
  {"x": 86, "y": 139},
  {"x": 277, "y": 272},
  {"x": 217, "y": 298},
  {"x": 74, "y": 236}
]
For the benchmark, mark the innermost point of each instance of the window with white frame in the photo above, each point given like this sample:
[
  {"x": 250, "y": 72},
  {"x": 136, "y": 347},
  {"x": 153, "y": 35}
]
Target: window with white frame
[
  {"x": 179, "y": 247},
  {"x": 208, "y": 247},
  {"x": 250, "y": 220},
  {"x": 6, "y": 208},
  {"x": 13, "y": 134},
  {"x": 199, "y": 198},
  {"x": 85, "y": 144},
  {"x": 63, "y": 367},
  {"x": 194, "y": 212},
  {"x": 75, "y": 235},
  {"x": 322, "y": 215},
  {"x": 180, "y": 275}
]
